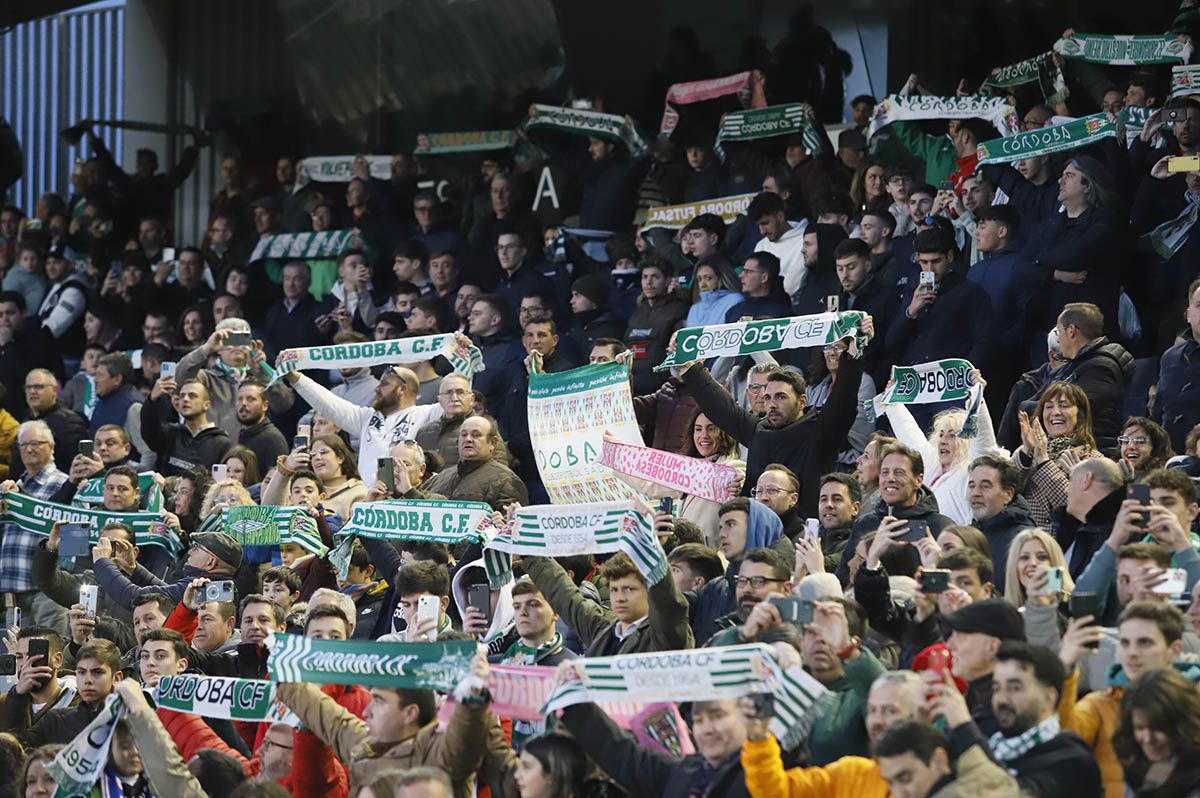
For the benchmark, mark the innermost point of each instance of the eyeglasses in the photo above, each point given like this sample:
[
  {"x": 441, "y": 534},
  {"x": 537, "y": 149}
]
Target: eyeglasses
[
  {"x": 33, "y": 445},
  {"x": 769, "y": 491},
  {"x": 1138, "y": 441},
  {"x": 756, "y": 582},
  {"x": 456, "y": 392},
  {"x": 269, "y": 743}
]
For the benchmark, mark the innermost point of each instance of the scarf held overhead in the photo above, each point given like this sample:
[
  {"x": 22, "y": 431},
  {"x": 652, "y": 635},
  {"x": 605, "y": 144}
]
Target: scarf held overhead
[
  {"x": 896, "y": 108},
  {"x": 765, "y": 335},
  {"x": 565, "y": 530},
  {"x": 466, "y": 360},
  {"x": 217, "y": 697},
  {"x": 702, "y": 674},
  {"x": 39, "y": 517},
  {"x": 272, "y": 525},
  {"x": 302, "y": 246},
  {"x": 422, "y": 666},
  {"x": 689, "y": 475},
  {"x": 1185, "y": 80},
  {"x": 1040, "y": 68},
  {"x": 580, "y": 122},
  {"x": 437, "y": 521},
  {"x": 339, "y": 168},
  {"x": 748, "y": 86},
  {"x": 762, "y": 123},
  {"x": 1124, "y": 50},
  {"x": 463, "y": 142},
  {"x": 1047, "y": 140},
  {"x": 677, "y": 217}
]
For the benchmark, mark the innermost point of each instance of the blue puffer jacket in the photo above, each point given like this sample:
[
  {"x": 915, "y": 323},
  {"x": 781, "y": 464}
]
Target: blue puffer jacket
[
  {"x": 1177, "y": 402},
  {"x": 712, "y": 307}
]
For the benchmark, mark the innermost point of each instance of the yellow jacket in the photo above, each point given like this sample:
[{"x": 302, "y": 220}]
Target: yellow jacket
[
  {"x": 1095, "y": 718},
  {"x": 848, "y": 777},
  {"x": 8, "y": 436}
]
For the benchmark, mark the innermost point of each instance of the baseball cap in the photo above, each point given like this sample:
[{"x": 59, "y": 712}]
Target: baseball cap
[{"x": 222, "y": 546}]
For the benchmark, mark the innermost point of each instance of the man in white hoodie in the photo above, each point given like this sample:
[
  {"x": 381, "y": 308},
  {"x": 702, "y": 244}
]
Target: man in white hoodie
[{"x": 780, "y": 238}]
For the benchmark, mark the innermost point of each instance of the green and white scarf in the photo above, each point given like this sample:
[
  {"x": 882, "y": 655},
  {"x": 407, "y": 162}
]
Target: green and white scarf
[
  {"x": 302, "y": 246},
  {"x": 676, "y": 217},
  {"x": 91, "y": 492},
  {"x": 90, "y": 397},
  {"x": 339, "y": 168},
  {"x": 1007, "y": 749},
  {"x": 580, "y": 122},
  {"x": 913, "y": 107},
  {"x": 268, "y": 525},
  {"x": 440, "y": 665},
  {"x": 762, "y": 123},
  {"x": 692, "y": 476},
  {"x": 702, "y": 674},
  {"x": 467, "y": 361},
  {"x": 1185, "y": 80},
  {"x": 565, "y": 530},
  {"x": 1047, "y": 140},
  {"x": 1124, "y": 50},
  {"x": 433, "y": 520},
  {"x": 217, "y": 697},
  {"x": 1040, "y": 68},
  {"x": 1169, "y": 237},
  {"x": 926, "y": 383},
  {"x": 39, "y": 516},
  {"x": 463, "y": 142},
  {"x": 1134, "y": 117},
  {"x": 766, "y": 335},
  {"x": 81, "y": 762}
]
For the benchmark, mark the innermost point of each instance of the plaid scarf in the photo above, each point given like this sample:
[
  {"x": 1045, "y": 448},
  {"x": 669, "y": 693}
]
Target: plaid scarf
[{"x": 1007, "y": 749}]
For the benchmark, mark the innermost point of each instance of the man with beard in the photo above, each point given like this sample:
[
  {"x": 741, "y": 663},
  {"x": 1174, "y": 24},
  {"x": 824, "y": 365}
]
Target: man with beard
[
  {"x": 763, "y": 573},
  {"x": 393, "y": 416},
  {"x": 1027, "y": 684},
  {"x": 978, "y": 631},
  {"x": 197, "y": 442},
  {"x": 258, "y": 433}
]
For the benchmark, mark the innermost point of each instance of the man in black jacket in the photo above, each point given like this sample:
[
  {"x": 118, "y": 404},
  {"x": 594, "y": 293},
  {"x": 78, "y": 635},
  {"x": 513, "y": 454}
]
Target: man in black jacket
[
  {"x": 718, "y": 728},
  {"x": 807, "y": 443},
  {"x": 863, "y": 289},
  {"x": 97, "y": 669},
  {"x": 197, "y": 442},
  {"x": 658, "y": 314},
  {"x": 257, "y": 432},
  {"x": 1027, "y": 683},
  {"x": 67, "y": 426},
  {"x": 997, "y": 507}
]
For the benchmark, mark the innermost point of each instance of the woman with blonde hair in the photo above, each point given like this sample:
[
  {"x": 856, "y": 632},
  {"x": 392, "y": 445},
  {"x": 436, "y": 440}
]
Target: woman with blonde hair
[
  {"x": 947, "y": 456},
  {"x": 225, "y": 492},
  {"x": 1031, "y": 554}
]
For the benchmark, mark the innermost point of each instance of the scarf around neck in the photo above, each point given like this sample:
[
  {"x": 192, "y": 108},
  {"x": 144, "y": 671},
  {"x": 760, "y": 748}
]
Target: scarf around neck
[
  {"x": 1170, "y": 236},
  {"x": 1007, "y": 749}
]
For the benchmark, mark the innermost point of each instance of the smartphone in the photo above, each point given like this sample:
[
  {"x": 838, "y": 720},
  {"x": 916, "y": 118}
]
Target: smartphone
[
  {"x": 1084, "y": 603},
  {"x": 12, "y": 617},
  {"x": 939, "y": 661},
  {"x": 385, "y": 472},
  {"x": 764, "y": 705},
  {"x": 429, "y": 607},
  {"x": 916, "y": 530},
  {"x": 666, "y": 505},
  {"x": 220, "y": 472},
  {"x": 88, "y": 597},
  {"x": 480, "y": 597},
  {"x": 793, "y": 610},
  {"x": 8, "y": 664},
  {"x": 39, "y": 646},
  {"x": 812, "y": 530},
  {"x": 300, "y": 442},
  {"x": 237, "y": 339},
  {"x": 1138, "y": 491},
  {"x": 1183, "y": 163},
  {"x": 168, "y": 255},
  {"x": 74, "y": 540},
  {"x": 168, "y": 369},
  {"x": 946, "y": 185},
  {"x": 304, "y": 429},
  {"x": 928, "y": 278},
  {"x": 1174, "y": 585},
  {"x": 249, "y": 661},
  {"x": 86, "y": 448},
  {"x": 832, "y": 303},
  {"x": 1054, "y": 581},
  {"x": 935, "y": 580},
  {"x": 219, "y": 591}
]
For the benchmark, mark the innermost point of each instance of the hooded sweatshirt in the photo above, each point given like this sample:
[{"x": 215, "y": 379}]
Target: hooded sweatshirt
[
  {"x": 791, "y": 259},
  {"x": 503, "y": 617}
]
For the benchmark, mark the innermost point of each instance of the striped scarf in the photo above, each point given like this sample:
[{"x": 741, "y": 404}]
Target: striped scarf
[{"x": 1007, "y": 749}]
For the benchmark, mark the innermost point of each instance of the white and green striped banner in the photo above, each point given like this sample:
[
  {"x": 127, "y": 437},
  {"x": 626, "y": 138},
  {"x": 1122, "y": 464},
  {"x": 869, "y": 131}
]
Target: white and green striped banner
[
  {"x": 302, "y": 246},
  {"x": 466, "y": 360},
  {"x": 433, "y": 520},
  {"x": 91, "y": 492},
  {"x": 1124, "y": 50},
  {"x": 765, "y": 335},
  {"x": 81, "y": 762},
  {"x": 217, "y": 697},
  {"x": 564, "y": 530},
  {"x": 1047, "y": 140},
  {"x": 39, "y": 517},
  {"x": 912, "y": 107},
  {"x": 466, "y": 141},
  {"x": 701, "y": 674},
  {"x": 439, "y": 665},
  {"x": 761, "y": 123},
  {"x": 1185, "y": 80},
  {"x": 581, "y": 122},
  {"x": 269, "y": 525}
]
